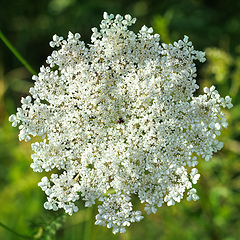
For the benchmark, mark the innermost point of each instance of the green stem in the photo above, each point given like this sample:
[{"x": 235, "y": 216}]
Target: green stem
[
  {"x": 17, "y": 54},
  {"x": 12, "y": 231},
  {"x": 88, "y": 224}
]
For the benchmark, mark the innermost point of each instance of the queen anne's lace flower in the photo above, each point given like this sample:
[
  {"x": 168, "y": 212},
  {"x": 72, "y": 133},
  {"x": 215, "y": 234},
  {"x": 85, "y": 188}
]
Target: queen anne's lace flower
[{"x": 118, "y": 118}]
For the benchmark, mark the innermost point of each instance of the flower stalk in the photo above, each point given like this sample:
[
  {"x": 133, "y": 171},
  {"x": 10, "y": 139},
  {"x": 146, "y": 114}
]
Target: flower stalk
[{"x": 17, "y": 54}]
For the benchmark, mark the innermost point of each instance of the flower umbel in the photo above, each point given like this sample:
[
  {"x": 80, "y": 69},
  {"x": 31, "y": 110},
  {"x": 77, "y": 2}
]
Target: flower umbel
[{"x": 118, "y": 118}]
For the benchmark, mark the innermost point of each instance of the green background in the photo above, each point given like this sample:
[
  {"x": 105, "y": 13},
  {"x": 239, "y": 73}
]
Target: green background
[{"x": 212, "y": 26}]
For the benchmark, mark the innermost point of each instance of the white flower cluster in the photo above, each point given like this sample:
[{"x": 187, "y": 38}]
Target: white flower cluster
[{"x": 118, "y": 119}]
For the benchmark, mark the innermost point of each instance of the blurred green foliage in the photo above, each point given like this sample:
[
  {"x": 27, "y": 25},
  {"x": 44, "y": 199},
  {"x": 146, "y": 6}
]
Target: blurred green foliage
[{"x": 213, "y": 26}]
